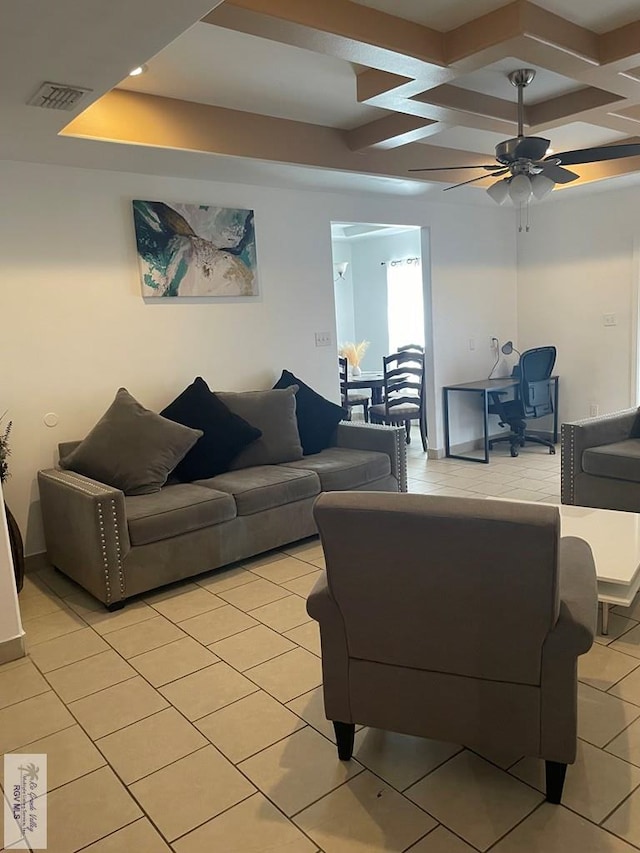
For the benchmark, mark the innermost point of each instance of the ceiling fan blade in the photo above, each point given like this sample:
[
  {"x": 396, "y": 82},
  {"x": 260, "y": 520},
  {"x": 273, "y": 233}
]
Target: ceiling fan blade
[
  {"x": 455, "y": 168},
  {"x": 473, "y": 180},
  {"x": 558, "y": 174},
  {"x": 598, "y": 154},
  {"x": 532, "y": 147}
]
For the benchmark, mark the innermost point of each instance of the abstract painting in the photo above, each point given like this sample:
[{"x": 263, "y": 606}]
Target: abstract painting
[{"x": 195, "y": 249}]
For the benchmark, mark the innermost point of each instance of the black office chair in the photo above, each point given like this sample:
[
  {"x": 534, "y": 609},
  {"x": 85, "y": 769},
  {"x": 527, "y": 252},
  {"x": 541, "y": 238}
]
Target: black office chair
[{"x": 533, "y": 400}]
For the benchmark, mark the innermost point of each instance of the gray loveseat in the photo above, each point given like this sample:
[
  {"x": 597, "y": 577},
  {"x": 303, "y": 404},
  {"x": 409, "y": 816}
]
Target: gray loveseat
[
  {"x": 601, "y": 461},
  {"x": 118, "y": 546}
]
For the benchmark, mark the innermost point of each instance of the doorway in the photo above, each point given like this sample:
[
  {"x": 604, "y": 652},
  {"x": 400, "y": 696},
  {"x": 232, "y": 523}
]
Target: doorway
[
  {"x": 382, "y": 290},
  {"x": 379, "y": 287}
]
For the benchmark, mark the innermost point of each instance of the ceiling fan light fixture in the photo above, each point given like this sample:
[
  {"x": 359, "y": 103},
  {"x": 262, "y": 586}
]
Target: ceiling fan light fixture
[
  {"x": 520, "y": 190},
  {"x": 499, "y": 192},
  {"x": 541, "y": 186}
]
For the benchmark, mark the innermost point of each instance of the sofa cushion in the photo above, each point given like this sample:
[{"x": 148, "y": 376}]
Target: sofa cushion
[
  {"x": 340, "y": 468},
  {"x": 317, "y": 417},
  {"x": 621, "y": 460},
  {"x": 131, "y": 448},
  {"x": 274, "y": 414},
  {"x": 225, "y": 433},
  {"x": 264, "y": 487},
  {"x": 175, "y": 510}
]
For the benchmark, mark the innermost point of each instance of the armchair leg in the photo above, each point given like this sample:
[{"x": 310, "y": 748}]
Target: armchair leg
[
  {"x": 345, "y": 733},
  {"x": 555, "y": 774},
  {"x": 117, "y": 605}
]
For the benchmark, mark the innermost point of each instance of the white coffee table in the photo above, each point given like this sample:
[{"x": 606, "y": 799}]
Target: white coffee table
[{"x": 614, "y": 538}]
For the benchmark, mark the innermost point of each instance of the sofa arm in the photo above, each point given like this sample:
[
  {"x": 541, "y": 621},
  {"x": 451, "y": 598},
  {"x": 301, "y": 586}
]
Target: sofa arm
[
  {"x": 380, "y": 438},
  {"x": 591, "y": 432},
  {"x": 322, "y": 607},
  {"x": 578, "y": 593},
  {"x": 571, "y": 636},
  {"x": 85, "y": 528}
]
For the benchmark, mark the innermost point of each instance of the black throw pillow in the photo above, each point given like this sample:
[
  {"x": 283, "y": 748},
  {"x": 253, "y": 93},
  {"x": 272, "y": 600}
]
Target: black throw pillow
[
  {"x": 317, "y": 416},
  {"x": 225, "y": 433}
]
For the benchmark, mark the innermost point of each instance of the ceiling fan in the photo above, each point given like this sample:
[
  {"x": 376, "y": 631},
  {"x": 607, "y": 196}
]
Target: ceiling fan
[{"x": 523, "y": 159}]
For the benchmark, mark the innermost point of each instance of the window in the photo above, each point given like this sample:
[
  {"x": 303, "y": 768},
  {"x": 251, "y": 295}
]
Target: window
[{"x": 405, "y": 309}]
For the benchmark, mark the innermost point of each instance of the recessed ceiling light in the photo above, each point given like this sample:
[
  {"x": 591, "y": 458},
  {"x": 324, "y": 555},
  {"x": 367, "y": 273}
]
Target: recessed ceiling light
[{"x": 136, "y": 72}]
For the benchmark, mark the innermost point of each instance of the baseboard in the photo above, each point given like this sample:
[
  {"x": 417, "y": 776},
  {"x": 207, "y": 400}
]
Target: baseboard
[
  {"x": 12, "y": 649},
  {"x": 35, "y": 562}
]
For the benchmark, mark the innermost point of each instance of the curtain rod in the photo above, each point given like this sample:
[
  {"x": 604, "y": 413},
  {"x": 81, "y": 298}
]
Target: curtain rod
[{"x": 400, "y": 261}]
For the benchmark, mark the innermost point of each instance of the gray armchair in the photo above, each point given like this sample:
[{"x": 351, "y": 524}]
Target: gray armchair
[
  {"x": 601, "y": 461},
  {"x": 454, "y": 619}
]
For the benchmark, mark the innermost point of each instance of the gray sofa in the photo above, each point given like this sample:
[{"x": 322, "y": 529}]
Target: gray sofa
[
  {"x": 118, "y": 546},
  {"x": 601, "y": 461}
]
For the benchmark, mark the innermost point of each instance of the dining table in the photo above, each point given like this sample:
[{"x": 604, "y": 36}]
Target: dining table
[{"x": 373, "y": 379}]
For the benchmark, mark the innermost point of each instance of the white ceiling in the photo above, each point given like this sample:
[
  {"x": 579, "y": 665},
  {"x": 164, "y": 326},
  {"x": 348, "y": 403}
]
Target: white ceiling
[
  {"x": 95, "y": 42},
  {"x": 210, "y": 65},
  {"x": 597, "y": 15},
  {"x": 439, "y": 14},
  {"x": 493, "y": 80}
]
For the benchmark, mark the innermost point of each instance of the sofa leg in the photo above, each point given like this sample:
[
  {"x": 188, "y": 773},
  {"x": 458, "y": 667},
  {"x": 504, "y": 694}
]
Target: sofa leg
[
  {"x": 555, "y": 773},
  {"x": 117, "y": 605},
  {"x": 345, "y": 733}
]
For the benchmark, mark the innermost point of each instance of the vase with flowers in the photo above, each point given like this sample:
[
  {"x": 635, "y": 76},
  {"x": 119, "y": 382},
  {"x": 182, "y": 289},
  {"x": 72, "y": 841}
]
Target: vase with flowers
[
  {"x": 15, "y": 538},
  {"x": 354, "y": 353}
]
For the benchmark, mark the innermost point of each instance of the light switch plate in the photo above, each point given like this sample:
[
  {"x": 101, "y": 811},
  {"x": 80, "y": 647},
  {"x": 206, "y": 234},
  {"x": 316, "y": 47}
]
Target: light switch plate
[{"x": 323, "y": 339}]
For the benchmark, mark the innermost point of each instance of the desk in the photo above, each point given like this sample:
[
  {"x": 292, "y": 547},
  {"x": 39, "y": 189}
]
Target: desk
[
  {"x": 373, "y": 379},
  {"x": 484, "y": 387}
]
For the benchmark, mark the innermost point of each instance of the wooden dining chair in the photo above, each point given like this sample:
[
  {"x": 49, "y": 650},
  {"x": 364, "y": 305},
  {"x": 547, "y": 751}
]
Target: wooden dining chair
[
  {"x": 349, "y": 399},
  {"x": 411, "y": 348},
  {"x": 403, "y": 393}
]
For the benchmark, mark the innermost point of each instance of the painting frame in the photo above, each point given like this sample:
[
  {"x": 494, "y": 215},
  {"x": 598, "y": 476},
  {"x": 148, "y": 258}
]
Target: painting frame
[{"x": 195, "y": 250}]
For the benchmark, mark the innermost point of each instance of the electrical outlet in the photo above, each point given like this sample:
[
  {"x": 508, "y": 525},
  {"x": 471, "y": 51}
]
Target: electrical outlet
[
  {"x": 594, "y": 410},
  {"x": 472, "y": 344},
  {"x": 493, "y": 343},
  {"x": 323, "y": 339},
  {"x": 609, "y": 320}
]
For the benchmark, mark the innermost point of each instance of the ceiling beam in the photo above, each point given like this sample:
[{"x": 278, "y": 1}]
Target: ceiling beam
[{"x": 391, "y": 132}]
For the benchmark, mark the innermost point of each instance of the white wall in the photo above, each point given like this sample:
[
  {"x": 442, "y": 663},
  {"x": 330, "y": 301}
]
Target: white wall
[
  {"x": 343, "y": 293},
  {"x": 575, "y": 265},
  {"x": 75, "y": 327}
]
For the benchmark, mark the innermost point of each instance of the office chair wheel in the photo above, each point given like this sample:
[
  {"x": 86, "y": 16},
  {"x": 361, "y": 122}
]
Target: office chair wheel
[
  {"x": 552, "y": 451},
  {"x": 514, "y": 452}
]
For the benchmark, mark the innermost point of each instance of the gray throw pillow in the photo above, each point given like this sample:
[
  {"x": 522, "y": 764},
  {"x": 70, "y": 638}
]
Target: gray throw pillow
[
  {"x": 131, "y": 448},
  {"x": 274, "y": 413}
]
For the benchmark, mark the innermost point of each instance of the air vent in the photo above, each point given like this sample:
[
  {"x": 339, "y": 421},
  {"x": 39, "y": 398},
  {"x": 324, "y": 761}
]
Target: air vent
[{"x": 58, "y": 96}]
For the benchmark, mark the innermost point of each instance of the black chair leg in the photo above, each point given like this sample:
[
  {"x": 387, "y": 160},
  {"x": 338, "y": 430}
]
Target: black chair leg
[
  {"x": 365, "y": 407},
  {"x": 345, "y": 733},
  {"x": 555, "y": 773},
  {"x": 407, "y": 429}
]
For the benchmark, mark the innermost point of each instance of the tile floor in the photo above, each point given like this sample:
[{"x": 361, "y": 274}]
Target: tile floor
[{"x": 192, "y": 721}]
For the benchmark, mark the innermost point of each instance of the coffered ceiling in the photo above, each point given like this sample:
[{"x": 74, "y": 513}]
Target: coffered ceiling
[{"x": 377, "y": 87}]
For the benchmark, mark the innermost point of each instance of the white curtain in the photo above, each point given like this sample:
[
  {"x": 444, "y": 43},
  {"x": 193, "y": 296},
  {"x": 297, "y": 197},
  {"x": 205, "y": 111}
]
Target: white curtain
[{"x": 405, "y": 309}]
